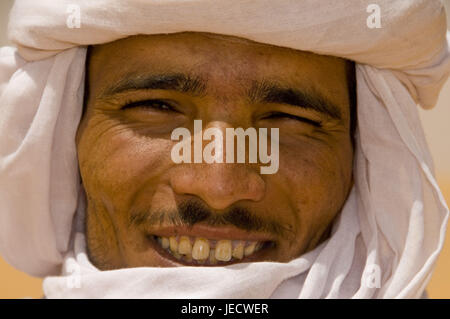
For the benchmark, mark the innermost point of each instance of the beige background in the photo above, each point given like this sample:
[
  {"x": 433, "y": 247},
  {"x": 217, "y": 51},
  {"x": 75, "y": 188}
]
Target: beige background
[{"x": 14, "y": 284}]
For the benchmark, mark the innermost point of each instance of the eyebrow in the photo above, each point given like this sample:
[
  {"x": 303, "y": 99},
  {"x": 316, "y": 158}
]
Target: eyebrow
[
  {"x": 171, "y": 81},
  {"x": 260, "y": 91},
  {"x": 308, "y": 99}
]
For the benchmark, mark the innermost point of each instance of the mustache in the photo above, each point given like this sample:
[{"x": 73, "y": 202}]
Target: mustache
[{"x": 191, "y": 212}]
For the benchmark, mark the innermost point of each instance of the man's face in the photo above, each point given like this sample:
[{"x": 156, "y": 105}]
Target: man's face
[{"x": 146, "y": 210}]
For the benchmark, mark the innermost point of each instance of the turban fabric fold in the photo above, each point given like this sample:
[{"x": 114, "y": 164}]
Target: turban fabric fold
[{"x": 392, "y": 224}]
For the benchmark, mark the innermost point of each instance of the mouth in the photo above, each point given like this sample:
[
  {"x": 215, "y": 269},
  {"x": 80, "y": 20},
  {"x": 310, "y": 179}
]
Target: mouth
[{"x": 187, "y": 249}]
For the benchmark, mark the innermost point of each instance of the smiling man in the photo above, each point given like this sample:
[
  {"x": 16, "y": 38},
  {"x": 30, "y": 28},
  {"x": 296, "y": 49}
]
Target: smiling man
[
  {"x": 146, "y": 210},
  {"x": 94, "y": 102}
]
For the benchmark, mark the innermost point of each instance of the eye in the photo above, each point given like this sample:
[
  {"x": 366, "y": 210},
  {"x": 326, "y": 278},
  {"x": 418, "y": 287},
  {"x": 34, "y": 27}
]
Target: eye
[
  {"x": 158, "y": 105},
  {"x": 281, "y": 115}
]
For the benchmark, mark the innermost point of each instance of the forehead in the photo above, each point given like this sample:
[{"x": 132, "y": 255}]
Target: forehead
[{"x": 227, "y": 63}]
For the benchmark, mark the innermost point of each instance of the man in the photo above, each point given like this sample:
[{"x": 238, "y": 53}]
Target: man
[
  {"x": 138, "y": 196},
  {"x": 337, "y": 218}
]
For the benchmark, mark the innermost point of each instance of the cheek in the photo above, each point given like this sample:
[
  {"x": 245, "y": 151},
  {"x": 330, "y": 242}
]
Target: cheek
[
  {"x": 316, "y": 178},
  {"x": 115, "y": 161}
]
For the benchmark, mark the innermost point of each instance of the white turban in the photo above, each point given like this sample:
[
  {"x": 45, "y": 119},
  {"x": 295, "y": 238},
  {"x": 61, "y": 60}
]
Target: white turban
[{"x": 393, "y": 223}]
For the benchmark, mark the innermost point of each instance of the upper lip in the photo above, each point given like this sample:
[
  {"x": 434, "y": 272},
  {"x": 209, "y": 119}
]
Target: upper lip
[{"x": 215, "y": 233}]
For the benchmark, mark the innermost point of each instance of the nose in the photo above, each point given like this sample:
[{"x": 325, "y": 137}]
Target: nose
[{"x": 219, "y": 185}]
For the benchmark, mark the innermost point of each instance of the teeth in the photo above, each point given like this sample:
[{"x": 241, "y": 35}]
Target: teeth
[
  {"x": 238, "y": 251},
  {"x": 177, "y": 255},
  {"x": 223, "y": 250},
  {"x": 173, "y": 243},
  {"x": 205, "y": 251},
  {"x": 200, "y": 251},
  {"x": 184, "y": 246},
  {"x": 250, "y": 249},
  {"x": 165, "y": 242}
]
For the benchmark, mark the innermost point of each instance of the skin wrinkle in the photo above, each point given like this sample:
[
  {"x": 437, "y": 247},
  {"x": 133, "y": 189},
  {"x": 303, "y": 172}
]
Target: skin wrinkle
[
  {"x": 109, "y": 209},
  {"x": 124, "y": 154},
  {"x": 94, "y": 240}
]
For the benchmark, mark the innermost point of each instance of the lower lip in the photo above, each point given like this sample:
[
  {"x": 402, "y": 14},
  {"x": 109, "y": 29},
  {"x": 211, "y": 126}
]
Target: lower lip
[{"x": 261, "y": 255}]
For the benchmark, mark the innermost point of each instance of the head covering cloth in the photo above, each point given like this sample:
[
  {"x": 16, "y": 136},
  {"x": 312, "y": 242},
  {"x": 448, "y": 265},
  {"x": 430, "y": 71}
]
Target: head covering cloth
[{"x": 394, "y": 218}]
